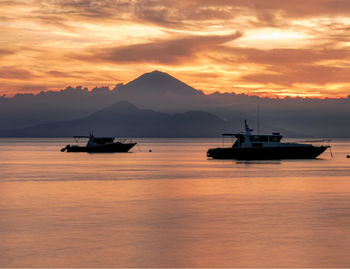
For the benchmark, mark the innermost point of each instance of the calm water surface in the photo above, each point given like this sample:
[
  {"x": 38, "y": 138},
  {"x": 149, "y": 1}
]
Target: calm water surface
[{"x": 171, "y": 207}]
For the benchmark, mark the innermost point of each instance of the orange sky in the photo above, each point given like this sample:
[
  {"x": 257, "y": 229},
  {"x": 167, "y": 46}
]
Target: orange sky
[{"x": 266, "y": 47}]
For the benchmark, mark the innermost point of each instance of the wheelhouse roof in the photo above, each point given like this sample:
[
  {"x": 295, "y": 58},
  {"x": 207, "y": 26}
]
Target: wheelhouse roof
[
  {"x": 91, "y": 136},
  {"x": 273, "y": 134}
]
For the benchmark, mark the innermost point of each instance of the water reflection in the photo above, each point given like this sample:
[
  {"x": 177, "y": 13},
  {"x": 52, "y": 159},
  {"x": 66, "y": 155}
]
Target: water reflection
[
  {"x": 260, "y": 162},
  {"x": 170, "y": 208}
]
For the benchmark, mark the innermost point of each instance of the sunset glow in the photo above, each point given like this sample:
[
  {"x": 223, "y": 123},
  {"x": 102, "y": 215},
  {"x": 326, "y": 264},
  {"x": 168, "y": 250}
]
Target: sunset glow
[{"x": 267, "y": 48}]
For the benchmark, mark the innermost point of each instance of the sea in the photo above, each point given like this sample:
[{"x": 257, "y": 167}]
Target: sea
[{"x": 165, "y": 204}]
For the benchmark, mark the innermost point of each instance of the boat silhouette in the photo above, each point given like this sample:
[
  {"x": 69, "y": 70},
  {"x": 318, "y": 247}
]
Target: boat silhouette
[
  {"x": 101, "y": 144},
  {"x": 249, "y": 146}
]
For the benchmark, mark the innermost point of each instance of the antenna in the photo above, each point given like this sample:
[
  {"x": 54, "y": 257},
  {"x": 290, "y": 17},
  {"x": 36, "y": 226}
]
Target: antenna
[{"x": 258, "y": 116}]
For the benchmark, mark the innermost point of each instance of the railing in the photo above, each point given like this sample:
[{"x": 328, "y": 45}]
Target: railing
[
  {"x": 82, "y": 139},
  {"x": 124, "y": 140},
  {"x": 323, "y": 142}
]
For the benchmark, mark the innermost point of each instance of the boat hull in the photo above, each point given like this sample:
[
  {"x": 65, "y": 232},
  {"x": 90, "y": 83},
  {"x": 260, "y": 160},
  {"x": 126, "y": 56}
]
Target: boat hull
[
  {"x": 267, "y": 153},
  {"x": 115, "y": 147}
]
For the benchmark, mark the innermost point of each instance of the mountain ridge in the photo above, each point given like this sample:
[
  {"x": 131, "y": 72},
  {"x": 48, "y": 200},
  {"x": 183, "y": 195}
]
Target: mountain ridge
[
  {"x": 116, "y": 120},
  {"x": 156, "y": 82},
  {"x": 303, "y": 116}
]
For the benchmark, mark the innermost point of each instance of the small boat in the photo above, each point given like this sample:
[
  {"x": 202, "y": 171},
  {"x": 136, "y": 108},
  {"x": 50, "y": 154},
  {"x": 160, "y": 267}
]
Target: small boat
[
  {"x": 100, "y": 144},
  {"x": 249, "y": 146}
]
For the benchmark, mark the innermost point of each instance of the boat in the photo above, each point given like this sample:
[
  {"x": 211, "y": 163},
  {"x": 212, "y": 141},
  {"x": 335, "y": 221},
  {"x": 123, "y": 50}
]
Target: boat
[
  {"x": 249, "y": 146},
  {"x": 101, "y": 144}
]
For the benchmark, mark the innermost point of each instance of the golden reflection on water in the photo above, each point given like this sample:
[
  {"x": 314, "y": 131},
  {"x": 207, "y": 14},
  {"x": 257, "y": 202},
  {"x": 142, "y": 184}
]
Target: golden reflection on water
[{"x": 170, "y": 208}]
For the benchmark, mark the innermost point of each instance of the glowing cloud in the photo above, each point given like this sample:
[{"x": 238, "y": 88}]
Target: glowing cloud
[{"x": 296, "y": 48}]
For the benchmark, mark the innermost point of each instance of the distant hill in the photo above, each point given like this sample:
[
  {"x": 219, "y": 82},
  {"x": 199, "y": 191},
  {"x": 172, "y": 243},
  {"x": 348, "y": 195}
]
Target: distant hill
[{"x": 126, "y": 120}]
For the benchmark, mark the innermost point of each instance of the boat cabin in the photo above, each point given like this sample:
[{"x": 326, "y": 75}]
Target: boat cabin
[
  {"x": 93, "y": 141},
  {"x": 99, "y": 141},
  {"x": 248, "y": 140},
  {"x": 102, "y": 140}
]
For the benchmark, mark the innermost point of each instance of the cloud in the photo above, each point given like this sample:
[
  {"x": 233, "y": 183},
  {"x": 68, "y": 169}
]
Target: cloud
[
  {"x": 287, "y": 56},
  {"x": 291, "y": 66},
  {"x": 168, "y": 13},
  {"x": 171, "y": 51},
  {"x": 71, "y": 74},
  {"x": 61, "y": 12},
  {"x": 13, "y": 3},
  {"x": 12, "y": 89},
  {"x": 10, "y": 72},
  {"x": 96, "y": 41},
  {"x": 319, "y": 75},
  {"x": 175, "y": 14},
  {"x": 4, "y": 52}
]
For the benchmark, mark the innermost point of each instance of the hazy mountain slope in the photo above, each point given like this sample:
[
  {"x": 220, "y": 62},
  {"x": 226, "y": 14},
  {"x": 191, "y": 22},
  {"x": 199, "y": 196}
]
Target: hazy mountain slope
[{"x": 126, "y": 120}]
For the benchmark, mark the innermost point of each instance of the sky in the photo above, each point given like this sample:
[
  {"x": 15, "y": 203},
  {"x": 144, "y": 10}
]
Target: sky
[{"x": 257, "y": 47}]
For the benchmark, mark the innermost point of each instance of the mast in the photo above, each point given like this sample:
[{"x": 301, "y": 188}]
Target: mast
[
  {"x": 248, "y": 131},
  {"x": 258, "y": 117}
]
